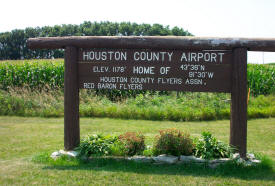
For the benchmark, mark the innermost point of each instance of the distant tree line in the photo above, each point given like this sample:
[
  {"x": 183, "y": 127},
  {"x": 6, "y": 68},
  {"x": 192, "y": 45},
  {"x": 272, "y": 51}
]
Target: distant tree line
[{"x": 13, "y": 44}]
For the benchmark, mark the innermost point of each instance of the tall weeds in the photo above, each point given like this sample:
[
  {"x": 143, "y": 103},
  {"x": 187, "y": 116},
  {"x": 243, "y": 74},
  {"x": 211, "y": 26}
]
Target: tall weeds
[{"x": 182, "y": 107}]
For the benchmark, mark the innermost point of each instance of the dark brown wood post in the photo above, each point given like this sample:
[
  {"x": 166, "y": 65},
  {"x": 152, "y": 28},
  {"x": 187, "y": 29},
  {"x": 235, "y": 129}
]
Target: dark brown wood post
[
  {"x": 238, "y": 122},
  {"x": 71, "y": 100}
]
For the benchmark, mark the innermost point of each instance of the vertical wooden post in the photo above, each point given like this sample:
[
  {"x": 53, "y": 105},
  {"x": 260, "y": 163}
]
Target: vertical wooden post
[
  {"x": 71, "y": 100},
  {"x": 238, "y": 122}
]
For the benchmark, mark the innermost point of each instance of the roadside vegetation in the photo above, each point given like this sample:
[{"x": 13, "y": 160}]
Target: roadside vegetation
[{"x": 174, "y": 107}]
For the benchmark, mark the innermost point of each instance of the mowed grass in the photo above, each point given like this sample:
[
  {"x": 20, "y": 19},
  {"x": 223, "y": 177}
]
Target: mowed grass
[{"x": 22, "y": 139}]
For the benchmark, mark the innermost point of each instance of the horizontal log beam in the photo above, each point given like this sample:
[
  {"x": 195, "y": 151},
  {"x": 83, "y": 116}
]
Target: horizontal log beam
[{"x": 153, "y": 42}]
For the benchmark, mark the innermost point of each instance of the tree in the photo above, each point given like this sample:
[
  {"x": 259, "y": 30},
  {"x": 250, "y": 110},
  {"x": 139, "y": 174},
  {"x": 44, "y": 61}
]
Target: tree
[{"x": 13, "y": 44}]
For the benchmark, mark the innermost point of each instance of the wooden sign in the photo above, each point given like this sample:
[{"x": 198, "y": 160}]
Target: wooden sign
[
  {"x": 170, "y": 70},
  {"x": 156, "y": 63}
]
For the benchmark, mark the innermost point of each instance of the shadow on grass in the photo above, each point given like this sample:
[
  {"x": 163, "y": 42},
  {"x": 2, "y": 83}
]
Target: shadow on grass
[{"x": 263, "y": 171}]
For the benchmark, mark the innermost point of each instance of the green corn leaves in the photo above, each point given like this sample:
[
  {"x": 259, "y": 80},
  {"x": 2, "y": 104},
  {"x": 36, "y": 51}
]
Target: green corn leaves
[{"x": 40, "y": 73}]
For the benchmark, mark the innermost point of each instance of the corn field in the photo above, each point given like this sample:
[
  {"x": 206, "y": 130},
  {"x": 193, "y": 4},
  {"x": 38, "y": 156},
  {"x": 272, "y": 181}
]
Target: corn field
[
  {"x": 261, "y": 79},
  {"x": 34, "y": 75},
  {"x": 39, "y": 73}
]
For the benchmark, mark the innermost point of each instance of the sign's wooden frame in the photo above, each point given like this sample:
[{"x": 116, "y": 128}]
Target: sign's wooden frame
[{"x": 238, "y": 46}]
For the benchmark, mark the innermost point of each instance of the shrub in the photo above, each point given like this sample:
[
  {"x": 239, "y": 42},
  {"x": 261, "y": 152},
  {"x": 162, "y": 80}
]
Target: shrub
[
  {"x": 131, "y": 143},
  {"x": 97, "y": 145},
  {"x": 173, "y": 142},
  {"x": 118, "y": 149},
  {"x": 209, "y": 147},
  {"x": 148, "y": 151}
]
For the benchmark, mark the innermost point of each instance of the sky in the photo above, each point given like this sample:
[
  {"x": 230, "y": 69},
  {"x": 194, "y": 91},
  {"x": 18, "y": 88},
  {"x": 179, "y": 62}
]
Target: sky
[{"x": 213, "y": 18}]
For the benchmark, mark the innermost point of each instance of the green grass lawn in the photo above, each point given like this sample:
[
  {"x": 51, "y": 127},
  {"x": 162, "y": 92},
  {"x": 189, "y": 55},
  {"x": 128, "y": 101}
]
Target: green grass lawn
[{"x": 23, "y": 138}]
